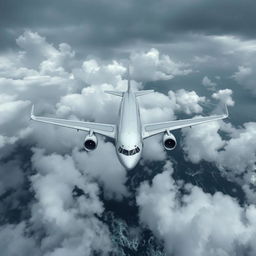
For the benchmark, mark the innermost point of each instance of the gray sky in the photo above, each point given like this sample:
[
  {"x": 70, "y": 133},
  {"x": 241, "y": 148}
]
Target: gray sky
[{"x": 105, "y": 27}]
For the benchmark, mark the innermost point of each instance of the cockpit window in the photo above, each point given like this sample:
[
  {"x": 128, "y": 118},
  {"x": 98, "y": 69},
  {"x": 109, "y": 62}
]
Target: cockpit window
[
  {"x": 125, "y": 152},
  {"x": 128, "y": 152}
]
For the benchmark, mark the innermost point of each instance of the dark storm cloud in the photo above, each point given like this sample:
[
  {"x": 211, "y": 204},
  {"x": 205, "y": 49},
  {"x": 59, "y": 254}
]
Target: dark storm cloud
[{"x": 114, "y": 23}]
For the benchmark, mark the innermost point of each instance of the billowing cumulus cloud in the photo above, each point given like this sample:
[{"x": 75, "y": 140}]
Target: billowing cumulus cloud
[
  {"x": 195, "y": 223},
  {"x": 157, "y": 107},
  {"x": 210, "y": 142},
  {"x": 69, "y": 221},
  {"x": 153, "y": 66},
  {"x": 235, "y": 157},
  {"x": 187, "y": 101},
  {"x": 224, "y": 96},
  {"x": 108, "y": 171},
  {"x": 153, "y": 149}
]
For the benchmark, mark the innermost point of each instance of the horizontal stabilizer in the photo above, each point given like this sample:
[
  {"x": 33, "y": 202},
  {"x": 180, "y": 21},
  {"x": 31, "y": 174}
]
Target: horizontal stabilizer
[
  {"x": 144, "y": 92},
  {"x": 116, "y": 93}
]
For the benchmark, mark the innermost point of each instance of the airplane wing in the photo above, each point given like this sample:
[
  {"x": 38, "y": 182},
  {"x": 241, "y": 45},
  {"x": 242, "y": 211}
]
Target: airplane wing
[
  {"x": 156, "y": 128},
  {"x": 108, "y": 130}
]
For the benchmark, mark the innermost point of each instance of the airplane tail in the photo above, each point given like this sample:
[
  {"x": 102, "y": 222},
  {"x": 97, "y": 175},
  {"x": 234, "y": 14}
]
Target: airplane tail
[
  {"x": 129, "y": 89},
  {"x": 118, "y": 93},
  {"x": 129, "y": 79}
]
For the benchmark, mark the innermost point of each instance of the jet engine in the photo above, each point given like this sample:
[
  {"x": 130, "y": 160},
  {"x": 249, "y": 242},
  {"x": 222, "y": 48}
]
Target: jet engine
[
  {"x": 169, "y": 141},
  {"x": 90, "y": 142}
]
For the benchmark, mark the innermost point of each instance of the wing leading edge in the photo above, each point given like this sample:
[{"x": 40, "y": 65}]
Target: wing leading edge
[
  {"x": 156, "y": 128},
  {"x": 108, "y": 130}
]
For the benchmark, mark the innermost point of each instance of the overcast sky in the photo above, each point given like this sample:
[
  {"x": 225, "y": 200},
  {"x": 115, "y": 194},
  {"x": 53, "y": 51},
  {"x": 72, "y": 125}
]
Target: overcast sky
[
  {"x": 57, "y": 199},
  {"x": 113, "y": 27}
]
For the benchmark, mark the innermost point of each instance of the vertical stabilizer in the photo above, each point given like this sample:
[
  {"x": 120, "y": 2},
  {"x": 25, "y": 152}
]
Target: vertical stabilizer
[{"x": 128, "y": 78}]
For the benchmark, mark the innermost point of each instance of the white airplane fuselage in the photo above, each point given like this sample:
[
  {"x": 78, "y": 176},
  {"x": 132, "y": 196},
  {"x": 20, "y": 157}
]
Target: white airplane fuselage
[{"x": 129, "y": 133}]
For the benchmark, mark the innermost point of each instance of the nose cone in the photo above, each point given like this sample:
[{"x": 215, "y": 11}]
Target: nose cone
[{"x": 129, "y": 162}]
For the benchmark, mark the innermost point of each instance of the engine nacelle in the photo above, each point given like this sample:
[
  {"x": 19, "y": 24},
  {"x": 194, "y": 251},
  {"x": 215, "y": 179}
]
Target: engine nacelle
[
  {"x": 169, "y": 141},
  {"x": 90, "y": 142}
]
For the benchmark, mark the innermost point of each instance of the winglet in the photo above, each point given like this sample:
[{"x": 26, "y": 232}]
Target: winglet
[
  {"x": 32, "y": 116},
  {"x": 226, "y": 110}
]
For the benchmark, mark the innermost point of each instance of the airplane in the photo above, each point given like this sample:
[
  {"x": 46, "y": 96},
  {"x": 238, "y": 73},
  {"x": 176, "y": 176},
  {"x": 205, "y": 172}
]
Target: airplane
[{"x": 129, "y": 132}]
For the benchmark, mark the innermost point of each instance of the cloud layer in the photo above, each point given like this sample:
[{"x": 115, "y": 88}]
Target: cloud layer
[
  {"x": 64, "y": 212},
  {"x": 195, "y": 223}
]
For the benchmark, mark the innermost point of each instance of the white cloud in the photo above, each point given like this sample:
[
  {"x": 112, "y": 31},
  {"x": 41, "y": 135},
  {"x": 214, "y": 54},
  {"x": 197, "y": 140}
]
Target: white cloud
[
  {"x": 58, "y": 139},
  {"x": 153, "y": 149},
  {"x": 209, "y": 142},
  {"x": 195, "y": 223},
  {"x": 186, "y": 101},
  {"x": 152, "y": 66},
  {"x": 70, "y": 223},
  {"x": 95, "y": 73},
  {"x": 243, "y": 147},
  {"x": 236, "y": 154},
  {"x": 208, "y": 83},
  {"x": 103, "y": 165},
  {"x": 91, "y": 104},
  {"x": 13, "y": 124},
  {"x": 202, "y": 142},
  {"x": 224, "y": 96},
  {"x": 11, "y": 109},
  {"x": 38, "y": 53},
  {"x": 158, "y": 107}
]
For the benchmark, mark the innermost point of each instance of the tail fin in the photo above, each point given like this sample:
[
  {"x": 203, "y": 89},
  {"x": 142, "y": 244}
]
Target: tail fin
[{"x": 128, "y": 78}]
